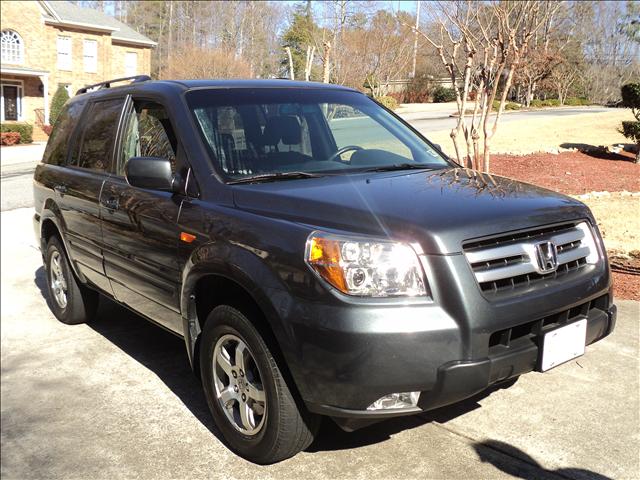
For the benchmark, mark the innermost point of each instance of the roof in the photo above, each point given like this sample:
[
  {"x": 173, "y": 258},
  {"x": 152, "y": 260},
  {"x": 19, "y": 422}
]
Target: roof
[
  {"x": 16, "y": 70},
  {"x": 171, "y": 87},
  {"x": 66, "y": 13},
  {"x": 256, "y": 83}
]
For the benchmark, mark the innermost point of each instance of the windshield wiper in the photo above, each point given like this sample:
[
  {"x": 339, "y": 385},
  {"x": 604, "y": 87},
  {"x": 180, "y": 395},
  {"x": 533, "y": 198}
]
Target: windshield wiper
[
  {"x": 400, "y": 166},
  {"x": 272, "y": 177}
]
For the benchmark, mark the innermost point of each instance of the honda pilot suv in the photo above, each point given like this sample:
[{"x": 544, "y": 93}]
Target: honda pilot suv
[{"x": 318, "y": 256}]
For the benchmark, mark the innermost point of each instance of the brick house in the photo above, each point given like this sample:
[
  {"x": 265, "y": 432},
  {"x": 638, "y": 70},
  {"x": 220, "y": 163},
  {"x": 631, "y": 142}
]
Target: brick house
[{"x": 47, "y": 44}]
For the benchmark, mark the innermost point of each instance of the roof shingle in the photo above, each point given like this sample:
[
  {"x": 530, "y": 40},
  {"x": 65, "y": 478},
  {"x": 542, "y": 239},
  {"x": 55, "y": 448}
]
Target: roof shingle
[{"x": 68, "y": 12}]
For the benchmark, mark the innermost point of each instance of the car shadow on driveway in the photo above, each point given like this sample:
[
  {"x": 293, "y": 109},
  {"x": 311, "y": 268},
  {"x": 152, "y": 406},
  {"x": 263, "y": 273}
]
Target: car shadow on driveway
[{"x": 160, "y": 351}]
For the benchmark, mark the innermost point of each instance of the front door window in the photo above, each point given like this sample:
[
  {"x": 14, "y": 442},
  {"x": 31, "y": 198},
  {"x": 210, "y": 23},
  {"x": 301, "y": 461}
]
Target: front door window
[{"x": 10, "y": 94}]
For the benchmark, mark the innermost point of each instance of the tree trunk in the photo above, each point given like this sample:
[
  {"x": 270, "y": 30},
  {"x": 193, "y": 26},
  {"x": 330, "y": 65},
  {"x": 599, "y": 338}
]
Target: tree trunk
[
  {"x": 326, "y": 67},
  {"x": 486, "y": 154},
  {"x": 309, "y": 62},
  {"x": 292, "y": 74}
]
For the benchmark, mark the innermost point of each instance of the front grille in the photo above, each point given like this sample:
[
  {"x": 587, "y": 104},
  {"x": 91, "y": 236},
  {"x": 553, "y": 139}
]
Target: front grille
[
  {"x": 512, "y": 337},
  {"x": 509, "y": 262}
]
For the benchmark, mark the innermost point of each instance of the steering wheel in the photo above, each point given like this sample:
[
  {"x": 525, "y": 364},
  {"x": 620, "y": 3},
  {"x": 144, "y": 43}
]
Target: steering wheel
[{"x": 342, "y": 150}]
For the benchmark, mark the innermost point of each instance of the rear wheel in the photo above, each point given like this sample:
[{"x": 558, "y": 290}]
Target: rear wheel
[
  {"x": 71, "y": 302},
  {"x": 247, "y": 394}
]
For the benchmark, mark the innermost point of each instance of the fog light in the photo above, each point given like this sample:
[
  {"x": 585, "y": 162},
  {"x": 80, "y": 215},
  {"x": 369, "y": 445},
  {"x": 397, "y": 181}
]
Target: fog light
[{"x": 396, "y": 400}]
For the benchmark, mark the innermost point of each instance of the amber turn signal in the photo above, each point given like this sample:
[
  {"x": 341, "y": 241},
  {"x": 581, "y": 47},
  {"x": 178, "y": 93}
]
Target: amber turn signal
[
  {"x": 187, "y": 237},
  {"x": 324, "y": 257}
]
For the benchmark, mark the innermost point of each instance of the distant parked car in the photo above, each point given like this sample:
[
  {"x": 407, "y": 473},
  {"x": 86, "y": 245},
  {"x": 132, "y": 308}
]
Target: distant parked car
[{"x": 318, "y": 255}]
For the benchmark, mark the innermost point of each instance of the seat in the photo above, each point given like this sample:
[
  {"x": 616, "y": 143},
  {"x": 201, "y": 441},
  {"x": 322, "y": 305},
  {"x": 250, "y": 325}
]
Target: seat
[{"x": 285, "y": 129}]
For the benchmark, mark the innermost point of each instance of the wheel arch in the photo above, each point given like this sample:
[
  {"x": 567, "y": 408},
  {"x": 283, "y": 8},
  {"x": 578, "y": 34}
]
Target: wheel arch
[
  {"x": 241, "y": 294},
  {"x": 51, "y": 224}
]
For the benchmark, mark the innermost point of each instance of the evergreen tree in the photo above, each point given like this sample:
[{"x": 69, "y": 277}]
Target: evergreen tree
[
  {"x": 57, "y": 102},
  {"x": 298, "y": 37}
]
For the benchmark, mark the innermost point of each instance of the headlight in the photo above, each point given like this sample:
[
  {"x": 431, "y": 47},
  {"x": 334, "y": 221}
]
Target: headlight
[{"x": 370, "y": 268}]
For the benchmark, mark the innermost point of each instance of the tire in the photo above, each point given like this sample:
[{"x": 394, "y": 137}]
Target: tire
[
  {"x": 71, "y": 302},
  {"x": 284, "y": 428}
]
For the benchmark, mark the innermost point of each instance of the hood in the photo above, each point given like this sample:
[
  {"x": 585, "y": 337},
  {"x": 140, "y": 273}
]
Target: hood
[{"x": 439, "y": 209}]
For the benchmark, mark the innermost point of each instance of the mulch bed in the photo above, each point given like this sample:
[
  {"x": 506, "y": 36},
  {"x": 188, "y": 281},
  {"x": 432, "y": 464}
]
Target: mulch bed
[
  {"x": 626, "y": 286},
  {"x": 577, "y": 173},
  {"x": 572, "y": 172}
]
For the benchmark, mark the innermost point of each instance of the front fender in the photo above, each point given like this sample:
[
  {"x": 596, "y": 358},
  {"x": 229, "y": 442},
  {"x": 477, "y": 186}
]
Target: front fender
[{"x": 241, "y": 265}]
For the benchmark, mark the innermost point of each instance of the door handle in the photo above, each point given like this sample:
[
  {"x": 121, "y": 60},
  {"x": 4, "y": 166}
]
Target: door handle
[
  {"x": 61, "y": 189},
  {"x": 111, "y": 203}
]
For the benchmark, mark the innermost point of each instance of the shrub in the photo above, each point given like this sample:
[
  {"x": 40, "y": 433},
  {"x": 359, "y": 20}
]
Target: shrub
[
  {"x": 631, "y": 130},
  {"x": 550, "y": 102},
  {"x": 508, "y": 105},
  {"x": 442, "y": 94},
  {"x": 389, "y": 102},
  {"x": 9, "y": 138},
  {"x": 631, "y": 97},
  {"x": 24, "y": 129},
  {"x": 418, "y": 90},
  {"x": 57, "y": 102},
  {"x": 577, "y": 101},
  {"x": 398, "y": 96}
]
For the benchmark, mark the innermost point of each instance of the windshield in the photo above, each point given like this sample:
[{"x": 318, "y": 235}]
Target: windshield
[{"x": 287, "y": 133}]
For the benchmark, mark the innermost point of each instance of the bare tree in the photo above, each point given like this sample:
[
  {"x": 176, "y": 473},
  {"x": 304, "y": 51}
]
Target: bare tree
[
  {"x": 564, "y": 77},
  {"x": 481, "y": 46},
  {"x": 193, "y": 62}
]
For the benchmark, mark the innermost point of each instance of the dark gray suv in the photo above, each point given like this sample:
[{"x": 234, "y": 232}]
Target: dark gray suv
[{"x": 317, "y": 254}]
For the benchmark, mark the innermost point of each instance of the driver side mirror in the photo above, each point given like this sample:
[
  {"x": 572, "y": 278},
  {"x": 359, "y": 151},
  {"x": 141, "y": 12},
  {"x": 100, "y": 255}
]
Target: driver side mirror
[{"x": 153, "y": 173}]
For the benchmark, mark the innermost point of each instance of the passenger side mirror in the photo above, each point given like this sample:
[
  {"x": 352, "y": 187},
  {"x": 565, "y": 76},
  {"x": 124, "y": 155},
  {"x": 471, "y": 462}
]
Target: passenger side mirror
[{"x": 153, "y": 173}]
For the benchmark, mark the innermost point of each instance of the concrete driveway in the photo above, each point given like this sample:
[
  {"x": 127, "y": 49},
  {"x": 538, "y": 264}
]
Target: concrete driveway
[{"x": 116, "y": 399}]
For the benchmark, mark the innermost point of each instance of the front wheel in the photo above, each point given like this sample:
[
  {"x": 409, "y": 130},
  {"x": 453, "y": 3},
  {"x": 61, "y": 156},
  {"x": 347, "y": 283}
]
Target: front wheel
[{"x": 247, "y": 394}]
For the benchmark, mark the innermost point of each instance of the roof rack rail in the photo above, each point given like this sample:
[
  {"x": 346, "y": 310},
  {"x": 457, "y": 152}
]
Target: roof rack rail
[{"x": 107, "y": 84}]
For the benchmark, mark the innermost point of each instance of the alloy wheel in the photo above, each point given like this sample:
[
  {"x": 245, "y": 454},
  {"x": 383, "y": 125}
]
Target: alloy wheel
[
  {"x": 58, "y": 282},
  {"x": 238, "y": 385}
]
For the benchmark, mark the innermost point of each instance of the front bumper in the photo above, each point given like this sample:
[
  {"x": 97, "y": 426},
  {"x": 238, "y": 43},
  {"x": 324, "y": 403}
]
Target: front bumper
[
  {"x": 458, "y": 380},
  {"x": 344, "y": 353}
]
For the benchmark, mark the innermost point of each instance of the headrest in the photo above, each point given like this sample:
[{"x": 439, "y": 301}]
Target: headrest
[
  {"x": 271, "y": 135},
  {"x": 282, "y": 127}
]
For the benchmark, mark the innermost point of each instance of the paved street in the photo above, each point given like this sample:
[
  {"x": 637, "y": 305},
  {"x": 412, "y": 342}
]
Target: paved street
[
  {"x": 440, "y": 120},
  {"x": 116, "y": 399}
]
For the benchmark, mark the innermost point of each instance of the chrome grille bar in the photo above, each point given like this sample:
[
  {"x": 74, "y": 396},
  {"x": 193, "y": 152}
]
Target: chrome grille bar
[{"x": 514, "y": 260}]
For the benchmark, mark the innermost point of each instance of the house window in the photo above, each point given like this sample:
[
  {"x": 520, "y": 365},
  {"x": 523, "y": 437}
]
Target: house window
[
  {"x": 11, "y": 93},
  {"x": 90, "y": 53},
  {"x": 64, "y": 53},
  {"x": 12, "y": 47},
  {"x": 130, "y": 64}
]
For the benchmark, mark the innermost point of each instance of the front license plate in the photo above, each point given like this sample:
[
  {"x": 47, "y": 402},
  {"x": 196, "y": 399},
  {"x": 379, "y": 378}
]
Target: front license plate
[{"x": 563, "y": 344}]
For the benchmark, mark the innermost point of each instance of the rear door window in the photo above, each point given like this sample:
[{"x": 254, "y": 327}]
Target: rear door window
[
  {"x": 58, "y": 144},
  {"x": 94, "y": 150}
]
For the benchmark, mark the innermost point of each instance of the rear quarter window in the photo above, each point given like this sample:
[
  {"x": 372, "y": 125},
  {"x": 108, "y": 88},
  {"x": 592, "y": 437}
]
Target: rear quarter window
[{"x": 57, "y": 147}]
